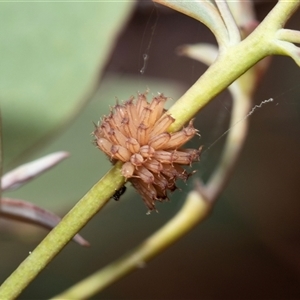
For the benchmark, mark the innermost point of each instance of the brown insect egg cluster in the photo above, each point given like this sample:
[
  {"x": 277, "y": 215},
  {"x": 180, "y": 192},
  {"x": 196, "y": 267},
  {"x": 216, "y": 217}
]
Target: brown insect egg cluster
[{"x": 135, "y": 132}]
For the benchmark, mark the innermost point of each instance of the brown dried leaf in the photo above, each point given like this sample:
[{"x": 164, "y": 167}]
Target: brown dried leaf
[{"x": 17, "y": 209}]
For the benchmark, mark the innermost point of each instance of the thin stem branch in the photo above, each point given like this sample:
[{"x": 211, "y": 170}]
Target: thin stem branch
[
  {"x": 232, "y": 28},
  {"x": 21, "y": 210},
  {"x": 232, "y": 64},
  {"x": 228, "y": 67},
  {"x": 54, "y": 242},
  {"x": 193, "y": 211},
  {"x": 289, "y": 35},
  {"x": 237, "y": 133},
  {"x": 251, "y": 50}
]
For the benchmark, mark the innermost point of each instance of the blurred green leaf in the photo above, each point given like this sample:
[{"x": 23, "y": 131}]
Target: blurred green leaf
[
  {"x": 204, "y": 11},
  {"x": 51, "y": 55}
]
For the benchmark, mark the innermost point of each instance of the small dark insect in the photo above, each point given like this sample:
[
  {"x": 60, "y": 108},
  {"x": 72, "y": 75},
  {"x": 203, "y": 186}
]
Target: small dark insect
[{"x": 119, "y": 193}]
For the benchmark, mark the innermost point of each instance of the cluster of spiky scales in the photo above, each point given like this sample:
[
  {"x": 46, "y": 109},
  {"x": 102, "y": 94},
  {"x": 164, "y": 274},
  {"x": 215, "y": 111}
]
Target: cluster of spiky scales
[{"x": 135, "y": 133}]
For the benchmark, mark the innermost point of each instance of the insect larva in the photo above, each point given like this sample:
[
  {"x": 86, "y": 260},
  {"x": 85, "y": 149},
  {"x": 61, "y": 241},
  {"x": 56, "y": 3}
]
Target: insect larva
[{"x": 119, "y": 193}]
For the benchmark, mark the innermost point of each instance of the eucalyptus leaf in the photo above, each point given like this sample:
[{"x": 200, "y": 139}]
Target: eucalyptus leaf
[
  {"x": 20, "y": 210},
  {"x": 51, "y": 55},
  {"x": 205, "y": 12}
]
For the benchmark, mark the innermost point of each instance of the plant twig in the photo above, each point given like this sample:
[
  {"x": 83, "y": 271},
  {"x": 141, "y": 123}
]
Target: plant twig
[
  {"x": 20, "y": 210},
  {"x": 54, "y": 242},
  {"x": 232, "y": 64},
  {"x": 24, "y": 173},
  {"x": 193, "y": 211},
  {"x": 289, "y": 35},
  {"x": 234, "y": 143},
  {"x": 183, "y": 110},
  {"x": 232, "y": 28},
  {"x": 227, "y": 68}
]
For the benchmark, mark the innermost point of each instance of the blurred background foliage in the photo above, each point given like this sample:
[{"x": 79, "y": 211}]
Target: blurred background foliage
[
  {"x": 61, "y": 67},
  {"x": 51, "y": 57}
]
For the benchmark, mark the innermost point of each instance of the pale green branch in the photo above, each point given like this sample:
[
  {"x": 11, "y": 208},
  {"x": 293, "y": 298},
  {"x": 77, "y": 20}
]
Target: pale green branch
[
  {"x": 193, "y": 211},
  {"x": 237, "y": 133},
  {"x": 243, "y": 12},
  {"x": 288, "y": 49},
  {"x": 221, "y": 74},
  {"x": 205, "y": 53},
  {"x": 232, "y": 28},
  {"x": 288, "y": 35},
  {"x": 54, "y": 242},
  {"x": 284, "y": 43},
  {"x": 229, "y": 66}
]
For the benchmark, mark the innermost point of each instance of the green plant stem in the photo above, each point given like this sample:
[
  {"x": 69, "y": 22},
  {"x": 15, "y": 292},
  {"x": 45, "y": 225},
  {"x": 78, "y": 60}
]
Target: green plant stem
[
  {"x": 232, "y": 28},
  {"x": 289, "y": 35},
  {"x": 54, "y": 242},
  {"x": 228, "y": 67},
  {"x": 237, "y": 133},
  {"x": 233, "y": 62},
  {"x": 193, "y": 211}
]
